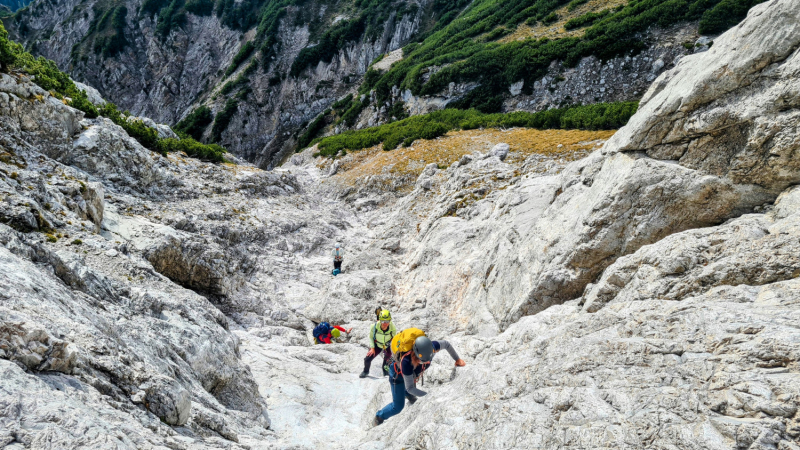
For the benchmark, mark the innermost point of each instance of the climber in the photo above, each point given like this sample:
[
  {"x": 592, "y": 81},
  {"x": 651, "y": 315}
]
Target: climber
[
  {"x": 407, "y": 366},
  {"x": 380, "y": 341},
  {"x": 338, "y": 255},
  {"x": 325, "y": 332}
]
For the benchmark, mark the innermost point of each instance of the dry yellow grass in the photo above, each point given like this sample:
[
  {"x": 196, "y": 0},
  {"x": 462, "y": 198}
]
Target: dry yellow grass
[
  {"x": 451, "y": 147},
  {"x": 556, "y": 30}
]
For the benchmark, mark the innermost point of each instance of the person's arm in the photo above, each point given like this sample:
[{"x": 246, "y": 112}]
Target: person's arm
[
  {"x": 411, "y": 386},
  {"x": 342, "y": 329},
  {"x": 444, "y": 345}
]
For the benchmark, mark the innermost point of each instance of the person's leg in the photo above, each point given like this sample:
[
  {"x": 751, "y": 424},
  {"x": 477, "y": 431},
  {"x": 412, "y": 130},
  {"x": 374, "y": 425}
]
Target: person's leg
[
  {"x": 337, "y": 265},
  {"x": 368, "y": 362},
  {"x": 398, "y": 400},
  {"x": 387, "y": 354}
]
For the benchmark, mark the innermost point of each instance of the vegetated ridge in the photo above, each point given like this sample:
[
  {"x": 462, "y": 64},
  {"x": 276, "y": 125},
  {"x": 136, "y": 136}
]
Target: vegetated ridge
[
  {"x": 265, "y": 70},
  {"x": 45, "y": 73}
]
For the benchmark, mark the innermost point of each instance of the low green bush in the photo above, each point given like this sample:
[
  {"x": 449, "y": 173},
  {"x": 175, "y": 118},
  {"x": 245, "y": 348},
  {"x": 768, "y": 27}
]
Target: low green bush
[
  {"x": 601, "y": 116},
  {"x": 586, "y": 19},
  {"x": 223, "y": 118},
  {"x": 241, "y": 55},
  {"x": 191, "y": 147},
  {"x": 196, "y": 122},
  {"x": 312, "y": 130}
]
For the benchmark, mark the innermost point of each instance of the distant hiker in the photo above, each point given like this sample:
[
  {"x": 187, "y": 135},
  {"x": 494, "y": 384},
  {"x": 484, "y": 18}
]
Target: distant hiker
[
  {"x": 324, "y": 332},
  {"x": 380, "y": 341},
  {"x": 338, "y": 256},
  {"x": 413, "y": 352}
]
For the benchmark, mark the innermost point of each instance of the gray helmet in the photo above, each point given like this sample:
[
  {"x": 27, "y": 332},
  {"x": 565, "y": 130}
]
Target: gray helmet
[
  {"x": 423, "y": 348},
  {"x": 338, "y": 245}
]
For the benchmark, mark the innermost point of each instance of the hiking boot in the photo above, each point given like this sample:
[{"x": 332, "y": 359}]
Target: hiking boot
[
  {"x": 411, "y": 399},
  {"x": 363, "y": 374},
  {"x": 377, "y": 421}
]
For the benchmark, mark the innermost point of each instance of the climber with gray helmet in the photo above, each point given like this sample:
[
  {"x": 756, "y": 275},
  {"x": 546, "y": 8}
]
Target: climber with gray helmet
[
  {"x": 338, "y": 256},
  {"x": 407, "y": 367}
]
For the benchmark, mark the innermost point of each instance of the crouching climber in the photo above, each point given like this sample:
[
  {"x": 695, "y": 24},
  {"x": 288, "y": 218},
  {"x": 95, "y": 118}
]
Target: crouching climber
[
  {"x": 325, "y": 332},
  {"x": 380, "y": 342},
  {"x": 338, "y": 256},
  {"x": 413, "y": 352}
]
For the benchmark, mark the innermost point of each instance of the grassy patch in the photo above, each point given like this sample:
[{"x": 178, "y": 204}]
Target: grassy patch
[
  {"x": 409, "y": 162},
  {"x": 603, "y": 116}
]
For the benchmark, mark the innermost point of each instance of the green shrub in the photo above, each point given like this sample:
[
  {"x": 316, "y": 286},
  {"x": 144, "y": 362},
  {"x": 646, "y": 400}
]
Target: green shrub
[
  {"x": 200, "y": 7},
  {"x": 312, "y": 131},
  {"x": 223, "y": 118},
  {"x": 586, "y": 19},
  {"x": 81, "y": 101},
  {"x": 430, "y": 126},
  {"x": 241, "y": 55},
  {"x": 550, "y": 18},
  {"x": 575, "y": 3},
  {"x": 170, "y": 18},
  {"x": 196, "y": 122},
  {"x": 329, "y": 44},
  {"x": 9, "y": 50},
  {"x": 341, "y": 105},
  {"x": 193, "y": 148},
  {"x": 462, "y": 55},
  {"x": 150, "y": 7},
  {"x": 724, "y": 15},
  {"x": 242, "y": 80}
]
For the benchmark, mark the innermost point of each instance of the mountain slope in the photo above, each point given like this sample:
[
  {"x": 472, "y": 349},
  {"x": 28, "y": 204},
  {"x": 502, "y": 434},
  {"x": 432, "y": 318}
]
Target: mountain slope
[
  {"x": 635, "y": 292},
  {"x": 266, "y": 69}
]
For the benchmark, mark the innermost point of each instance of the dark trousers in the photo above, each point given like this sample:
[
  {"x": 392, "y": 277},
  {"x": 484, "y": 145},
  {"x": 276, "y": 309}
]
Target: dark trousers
[
  {"x": 387, "y": 353},
  {"x": 337, "y": 265}
]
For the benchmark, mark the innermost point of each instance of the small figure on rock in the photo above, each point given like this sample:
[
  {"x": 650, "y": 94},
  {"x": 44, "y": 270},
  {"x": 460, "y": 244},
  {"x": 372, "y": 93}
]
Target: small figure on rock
[
  {"x": 338, "y": 256},
  {"x": 413, "y": 352},
  {"x": 325, "y": 332},
  {"x": 380, "y": 341}
]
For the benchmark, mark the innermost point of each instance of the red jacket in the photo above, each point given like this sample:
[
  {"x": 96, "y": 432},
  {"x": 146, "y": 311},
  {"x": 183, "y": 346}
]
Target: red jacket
[{"x": 327, "y": 338}]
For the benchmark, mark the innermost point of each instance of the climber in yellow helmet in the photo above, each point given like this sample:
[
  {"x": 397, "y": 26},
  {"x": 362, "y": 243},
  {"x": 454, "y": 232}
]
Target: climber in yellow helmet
[{"x": 380, "y": 340}]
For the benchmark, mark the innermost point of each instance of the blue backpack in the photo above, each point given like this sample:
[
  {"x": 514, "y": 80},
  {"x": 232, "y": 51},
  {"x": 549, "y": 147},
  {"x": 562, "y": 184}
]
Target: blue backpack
[
  {"x": 321, "y": 330},
  {"x": 336, "y": 272}
]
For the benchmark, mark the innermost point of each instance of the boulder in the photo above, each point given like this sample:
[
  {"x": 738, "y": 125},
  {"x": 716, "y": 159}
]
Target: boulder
[
  {"x": 168, "y": 400},
  {"x": 500, "y": 151}
]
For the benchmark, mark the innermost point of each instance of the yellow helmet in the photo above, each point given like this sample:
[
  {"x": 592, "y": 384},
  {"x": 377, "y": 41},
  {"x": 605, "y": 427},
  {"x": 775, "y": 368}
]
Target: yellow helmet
[
  {"x": 385, "y": 316},
  {"x": 336, "y": 333}
]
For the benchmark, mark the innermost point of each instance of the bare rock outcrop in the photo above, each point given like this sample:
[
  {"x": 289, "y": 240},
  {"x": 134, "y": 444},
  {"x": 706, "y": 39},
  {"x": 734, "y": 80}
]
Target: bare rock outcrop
[{"x": 633, "y": 194}]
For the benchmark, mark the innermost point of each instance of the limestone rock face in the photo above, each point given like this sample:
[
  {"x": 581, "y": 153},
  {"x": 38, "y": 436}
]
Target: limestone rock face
[
  {"x": 730, "y": 111},
  {"x": 605, "y": 296},
  {"x": 632, "y": 194}
]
